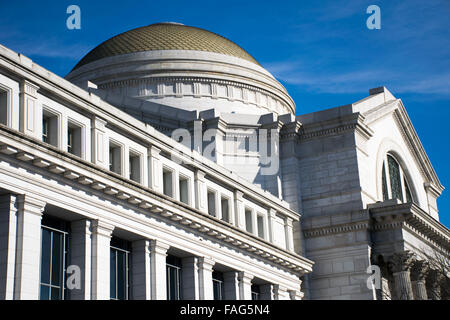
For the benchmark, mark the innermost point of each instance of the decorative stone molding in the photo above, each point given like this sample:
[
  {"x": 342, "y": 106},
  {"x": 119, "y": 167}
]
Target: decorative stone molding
[
  {"x": 142, "y": 202},
  {"x": 419, "y": 270},
  {"x": 159, "y": 87},
  {"x": 323, "y": 231},
  {"x": 401, "y": 261},
  {"x": 386, "y": 215}
]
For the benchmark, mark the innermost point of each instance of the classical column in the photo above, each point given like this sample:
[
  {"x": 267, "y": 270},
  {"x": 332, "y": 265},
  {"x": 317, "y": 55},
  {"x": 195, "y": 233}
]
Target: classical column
[
  {"x": 245, "y": 285},
  {"x": 401, "y": 265},
  {"x": 433, "y": 284},
  {"x": 158, "y": 269},
  {"x": 80, "y": 255},
  {"x": 419, "y": 272},
  {"x": 190, "y": 278},
  {"x": 101, "y": 252},
  {"x": 205, "y": 269},
  {"x": 231, "y": 285},
  {"x": 27, "y": 268},
  {"x": 8, "y": 225},
  {"x": 141, "y": 288}
]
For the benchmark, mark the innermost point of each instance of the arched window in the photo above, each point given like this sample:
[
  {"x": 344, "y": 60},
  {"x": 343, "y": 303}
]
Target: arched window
[{"x": 394, "y": 181}]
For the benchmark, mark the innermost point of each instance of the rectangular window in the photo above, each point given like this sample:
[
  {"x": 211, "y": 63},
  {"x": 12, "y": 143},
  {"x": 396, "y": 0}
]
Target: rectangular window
[
  {"x": 74, "y": 139},
  {"x": 256, "y": 293},
  {"x": 211, "y": 203},
  {"x": 173, "y": 265},
  {"x": 218, "y": 285},
  {"x": 225, "y": 207},
  {"x": 115, "y": 158},
  {"x": 54, "y": 248},
  {"x": 135, "y": 167},
  {"x": 184, "y": 189},
  {"x": 3, "y": 107},
  {"x": 119, "y": 269},
  {"x": 168, "y": 182},
  {"x": 248, "y": 220},
  {"x": 260, "y": 224},
  {"x": 49, "y": 128}
]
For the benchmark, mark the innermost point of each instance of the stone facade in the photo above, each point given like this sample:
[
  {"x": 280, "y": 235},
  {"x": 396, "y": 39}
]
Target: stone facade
[{"x": 232, "y": 193}]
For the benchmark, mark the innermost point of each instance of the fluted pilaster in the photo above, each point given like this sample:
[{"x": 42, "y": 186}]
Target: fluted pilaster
[
  {"x": 401, "y": 264},
  {"x": 419, "y": 272}
]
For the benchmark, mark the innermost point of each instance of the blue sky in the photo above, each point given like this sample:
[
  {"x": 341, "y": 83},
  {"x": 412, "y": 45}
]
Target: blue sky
[{"x": 321, "y": 51}]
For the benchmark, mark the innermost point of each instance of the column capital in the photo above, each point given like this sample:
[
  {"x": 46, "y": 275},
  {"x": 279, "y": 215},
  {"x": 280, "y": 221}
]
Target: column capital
[
  {"x": 238, "y": 194},
  {"x": 245, "y": 277},
  {"x": 206, "y": 263},
  {"x": 154, "y": 151},
  {"x": 101, "y": 227},
  {"x": 199, "y": 175},
  {"x": 98, "y": 123},
  {"x": 158, "y": 246},
  {"x": 419, "y": 270},
  {"x": 289, "y": 221},
  {"x": 29, "y": 88},
  {"x": 401, "y": 261},
  {"x": 31, "y": 204},
  {"x": 273, "y": 212}
]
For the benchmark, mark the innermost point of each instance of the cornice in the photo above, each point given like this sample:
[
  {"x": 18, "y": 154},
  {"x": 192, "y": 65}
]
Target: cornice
[
  {"x": 20, "y": 67},
  {"x": 189, "y": 79},
  {"x": 335, "y": 229},
  {"x": 414, "y": 145},
  {"x": 410, "y": 217},
  {"x": 75, "y": 170}
]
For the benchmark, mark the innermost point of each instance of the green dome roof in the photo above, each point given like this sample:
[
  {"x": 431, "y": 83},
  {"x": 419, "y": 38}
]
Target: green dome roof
[{"x": 165, "y": 36}]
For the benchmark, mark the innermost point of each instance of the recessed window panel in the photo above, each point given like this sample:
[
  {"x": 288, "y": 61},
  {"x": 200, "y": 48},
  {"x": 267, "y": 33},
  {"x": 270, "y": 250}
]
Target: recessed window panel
[
  {"x": 248, "y": 220},
  {"x": 173, "y": 278},
  {"x": 225, "y": 206},
  {"x": 74, "y": 136},
  {"x": 49, "y": 128},
  {"x": 54, "y": 248},
  {"x": 260, "y": 223},
  {"x": 3, "y": 107},
  {"x": 394, "y": 175},
  {"x": 384, "y": 183},
  {"x": 211, "y": 203},
  {"x": 407, "y": 191},
  {"x": 218, "y": 285},
  {"x": 135, "y": 167},
  {"x": 119, "y": 269},
  {"x": 168, "y": 182},
  {"x": 184, "y": 189},
  {"x": 115, "y": 158},
  {"x": 256, "y": 293}
]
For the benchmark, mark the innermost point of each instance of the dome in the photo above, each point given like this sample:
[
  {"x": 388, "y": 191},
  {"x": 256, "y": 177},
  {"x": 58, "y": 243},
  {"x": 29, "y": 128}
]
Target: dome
[
  {"x": 165, "y": 36},
  {"x": 183, "y": 67}
]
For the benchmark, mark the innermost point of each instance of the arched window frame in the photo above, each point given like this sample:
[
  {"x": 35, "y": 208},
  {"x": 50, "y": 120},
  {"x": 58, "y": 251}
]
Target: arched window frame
[{"x": 404, "y": 180}]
